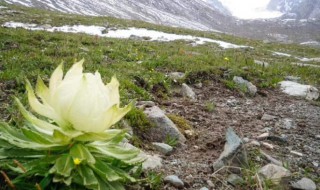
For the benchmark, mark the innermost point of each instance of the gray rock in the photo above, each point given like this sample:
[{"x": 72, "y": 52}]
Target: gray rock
[
  {"x": 198, "y": 85},
  {"x": 135, "y": 37},
  {"x": 286, "y": 123},
  {"x": 304, "y": 184},
  {"x": 251, "y": 89},
  {"x": 163, "y": 148},
  {"x": 246, "y": 140},
  {"x": 176, "y": 75},
  {"x": 262, "y": 63},
  {"x": 146, "y": 103},
  {"x": 186, "y": 91},
  {"x": 174, "y": 180},
  {"x": 293, "y": 78},
  {"x": 274, "y": 172},
  {"x": 151, "y": 162},
  {"x": 300, "y": 90},
  {"x": 231, "y": 147},
  {"x": 317, "y": 137},
  {"x": 204, "y": 188},
  {"x": 234, "y": 180},
  {"x": 267, "y": 117},
  {"x": 163, "y": 128}
]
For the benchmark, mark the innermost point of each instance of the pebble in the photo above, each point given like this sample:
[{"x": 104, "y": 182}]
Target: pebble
[
  {"x": 263, "y": 136},
  {"x": 267, "y": 145},
  {"x": 318, "y": 137},
  {"x": 204, "y": 188},
  {"x": 163, "y": 148},
  {"x": 174, "y": 180},
  {"x": 296, "y": 153}
]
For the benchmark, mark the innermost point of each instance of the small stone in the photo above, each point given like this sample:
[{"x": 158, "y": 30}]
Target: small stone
[
  {"x": 189, "y": 133},
  {"x": 176, "y": 75},
  {"x": 263, "y": 136},
  {"x": 296, "y": 153},
  {"x": 274, "y": 172},
  {"x": 210, "y": 184},
  {"x": 146, "y": 103},
  {"x": 204, "y": 188},
  {"x": 255, "y": 143},
  {"x": 245, "y": 140},
  {"x": 304, "y": 184},
  {"x": 198, "y": 85},
  {"x": 163, "y": 148},
  {"x": 174, "y": 180},
  {"x": 251, "y": 89},
  {"x": 267, "y": 117},
  {"x": 234, "y": 180},
  {"x": 231, "y": 147},
  {"x": 318, "y": 137},
  {"x": 286, "y": 123},
  {"x": 151, "y": 162},
  {"x": 186, "y": 91},
  {"x": 268, "y": 145},
  {"x": 262, "y": 63}
]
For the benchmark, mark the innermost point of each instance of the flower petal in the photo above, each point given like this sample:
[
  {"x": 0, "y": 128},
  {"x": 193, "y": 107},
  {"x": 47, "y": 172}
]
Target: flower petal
[
  {"x": 56, "y": 78},
  {"x": 42, "y": 109},
  {"x": 113, "y": 91},
  {"x": 75, "y": 70},
  {"x": 43, "y": 91}
]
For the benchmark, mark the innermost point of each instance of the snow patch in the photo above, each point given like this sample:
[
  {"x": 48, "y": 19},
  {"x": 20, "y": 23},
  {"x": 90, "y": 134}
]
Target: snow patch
[
  {"x": 300, "y": 90},
  {"x": 281, "y": 54},
  {"x": 2, "y": 7},
  {"x": 123, "y": 33}
]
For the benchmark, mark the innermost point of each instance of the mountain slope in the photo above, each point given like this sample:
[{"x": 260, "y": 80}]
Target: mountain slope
[
  {"x": 195, "y": 14},
  {"x": 298, "y": 9}
]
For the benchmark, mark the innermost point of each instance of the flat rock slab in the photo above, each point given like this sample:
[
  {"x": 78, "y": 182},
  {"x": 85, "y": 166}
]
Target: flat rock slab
[
  {"x": 300, "y": 90},
  {"x": 163, "y": 128},
  {"x": 174, "y": 180},
  {"x": 163, "y": 148},
  {"x": 304, "y": 184},
  {"x": 274, "y": 172}
]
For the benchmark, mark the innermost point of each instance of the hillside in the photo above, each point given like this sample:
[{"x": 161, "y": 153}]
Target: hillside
[
  {"x": 206, "y": 15},
  {"x": 146, "y": 58}
]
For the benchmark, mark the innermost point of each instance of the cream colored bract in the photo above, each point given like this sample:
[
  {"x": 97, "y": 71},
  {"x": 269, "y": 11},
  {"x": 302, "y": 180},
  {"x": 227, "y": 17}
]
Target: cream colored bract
[{"x": 78, "y": 100}]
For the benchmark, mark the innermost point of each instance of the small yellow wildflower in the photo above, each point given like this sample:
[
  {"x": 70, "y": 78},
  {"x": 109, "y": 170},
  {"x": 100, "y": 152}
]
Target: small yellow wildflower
[
  {"x": 226, "y": 59},
  {"x": 76, "y": 161}
]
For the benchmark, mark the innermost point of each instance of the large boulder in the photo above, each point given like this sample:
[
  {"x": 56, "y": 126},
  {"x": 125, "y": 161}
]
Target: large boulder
[
  {"x": 295, "y": 89},
  {"x": 163, "y": 126}
]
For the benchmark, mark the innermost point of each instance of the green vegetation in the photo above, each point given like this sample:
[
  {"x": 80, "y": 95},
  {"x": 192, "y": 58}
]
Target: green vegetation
[{"x": 140, "y": 66}]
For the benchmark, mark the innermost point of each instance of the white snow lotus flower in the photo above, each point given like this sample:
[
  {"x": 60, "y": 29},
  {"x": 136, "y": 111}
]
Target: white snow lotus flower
[{"x": 78, "y": 103}]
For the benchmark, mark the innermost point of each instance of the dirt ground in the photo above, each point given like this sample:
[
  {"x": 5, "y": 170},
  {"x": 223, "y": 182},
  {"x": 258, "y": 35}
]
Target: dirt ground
[{"x": 193, "y": 161}]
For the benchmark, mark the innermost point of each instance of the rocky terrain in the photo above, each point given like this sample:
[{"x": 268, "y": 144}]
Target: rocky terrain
[
  {"x": 271, "y": 126},
  {"x": 200, "y": 15}
]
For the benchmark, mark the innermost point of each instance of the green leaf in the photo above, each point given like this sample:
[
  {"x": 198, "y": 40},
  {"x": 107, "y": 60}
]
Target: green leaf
[
  {"x": 105, "y": 136},
  {"x": 63, "y": 166},
  {"x": 104, "y": 171},
  {"x": 37, "y": 137},
  {"x": 87, "y": 175},
  {"x": 81, "y": 152},
  {"x": 20, "y": 153},
  {"x": 59, "y": 137},
  {"x": 118, "y": 152}
]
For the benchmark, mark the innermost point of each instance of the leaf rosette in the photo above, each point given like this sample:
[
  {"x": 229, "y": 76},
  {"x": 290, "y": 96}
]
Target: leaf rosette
[{"x": 71, "y": 136}]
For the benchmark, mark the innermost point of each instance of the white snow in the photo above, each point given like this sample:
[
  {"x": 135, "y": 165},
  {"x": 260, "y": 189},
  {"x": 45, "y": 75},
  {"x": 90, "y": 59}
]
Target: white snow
[
  {"x": 306, "y": 65},
  {"x": 123, "y": 33},
  {"x": 281, "y": 54},
  {"x": 250, "y": 9},
  {"x": 2, "y": 7},
  {"x": 300, "y": 90}
]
